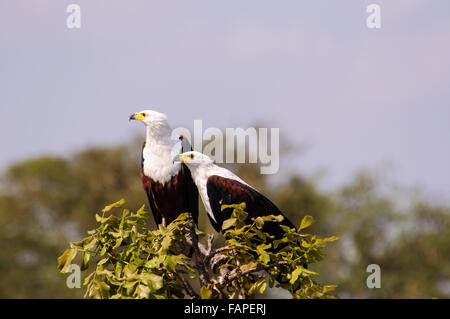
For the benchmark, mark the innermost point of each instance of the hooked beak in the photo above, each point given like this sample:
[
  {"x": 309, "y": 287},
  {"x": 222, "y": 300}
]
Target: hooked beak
[
  {"x": 177, "y": 158},
  {"x": 140, "y": 116}
]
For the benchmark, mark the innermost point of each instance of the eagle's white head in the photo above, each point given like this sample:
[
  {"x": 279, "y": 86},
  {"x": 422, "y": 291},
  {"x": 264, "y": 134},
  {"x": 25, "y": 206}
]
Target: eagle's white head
[
  {"x": 193, "y": 159},
  {"x": 157, "y": 123},
  {"x": 202, "y": 167},
  {"x": 159, "y": 148}
]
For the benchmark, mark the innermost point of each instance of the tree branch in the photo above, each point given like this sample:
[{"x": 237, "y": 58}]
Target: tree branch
[
  {"x": 188, "y": 287},
  {"x": 213, "y": 252},
  {"x": 200, "y": 265},
  {"x": 236, "y": 273}
]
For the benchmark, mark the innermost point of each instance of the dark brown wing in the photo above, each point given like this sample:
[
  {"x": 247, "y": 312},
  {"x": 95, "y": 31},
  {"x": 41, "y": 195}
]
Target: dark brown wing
[
  {"x": 173, "y": 198},
  {"x": 225, "y": 191}
]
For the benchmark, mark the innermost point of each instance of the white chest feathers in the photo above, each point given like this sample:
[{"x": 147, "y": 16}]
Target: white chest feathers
[{"x": 158, "y": 162}]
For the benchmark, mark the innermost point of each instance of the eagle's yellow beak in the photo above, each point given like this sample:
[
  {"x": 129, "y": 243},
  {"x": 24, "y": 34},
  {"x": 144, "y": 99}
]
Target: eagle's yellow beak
[
  {"x": 138, "y": 116},
  {"x": 184, "y": 158}
]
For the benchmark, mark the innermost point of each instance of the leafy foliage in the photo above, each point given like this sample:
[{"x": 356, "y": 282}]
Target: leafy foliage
[
  {"x": 135, "y": 262},
  {"x": 251, "y": 250}
]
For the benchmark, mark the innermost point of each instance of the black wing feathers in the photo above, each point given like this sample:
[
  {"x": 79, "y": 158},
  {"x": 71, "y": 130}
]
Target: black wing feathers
[{"x": 191, "y": 193}]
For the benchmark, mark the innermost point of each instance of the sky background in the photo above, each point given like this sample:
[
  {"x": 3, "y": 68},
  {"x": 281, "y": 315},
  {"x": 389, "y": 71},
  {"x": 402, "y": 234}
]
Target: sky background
[{"x": 347, "y": 96}]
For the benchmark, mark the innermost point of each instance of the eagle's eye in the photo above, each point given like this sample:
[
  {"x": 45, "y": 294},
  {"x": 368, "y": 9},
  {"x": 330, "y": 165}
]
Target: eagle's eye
[{"x": 192, "y": 156}]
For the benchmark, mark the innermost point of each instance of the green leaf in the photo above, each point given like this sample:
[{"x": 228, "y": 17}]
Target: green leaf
[
  {"x": 205, "y": 293},
  {"x": 279, "y": 241},
  {"x": 306, "y": 222},
  {"x": 166, "y": 243},
  {"x": 238, "y": 207},
  {"x": 279, "y": 218},
  {"x": 300, "y": 271},
  {"x": 116, "y": 204},
  {"x": 331, "y": 239},
  {"x": 129, "y": 286},
  {"x": 118, "y": 270},
  {"x": 91, "y": 244},
  {"x": 118, "y": 243},
  {"x": 264, "y": 256},
  {"x": 295, "y": 274},
  {"x": 65, "y": 260},
  {"x": 228, "y": 223},
  {"x": 306, "y": 244},
  {"x": 141, "y": 211},
  {"x": 154, "y": 262},
  {"x": 79, "y": 245},
  {"x": 262, "y": 285},
  {"x": 259, "y": 222},
  {"x": 102, "y": 261},
  {"x": 241, "y": 215},
  {"x": 155, "y": 282},
  {"x": 328, "y": 288},
  {"x": 102, "y": 288},
  {"x": 86, "y": 280},
  {"x": 85, "y": 263},
  {"x": 273, "y": 218},
  {"x": 172, "y": 261},
  {"x": 142, "y": 291},
  {"x": 103, "y": 251},
  {"x": 248, "y": 266},
  {"x": 129, "y": 270}
]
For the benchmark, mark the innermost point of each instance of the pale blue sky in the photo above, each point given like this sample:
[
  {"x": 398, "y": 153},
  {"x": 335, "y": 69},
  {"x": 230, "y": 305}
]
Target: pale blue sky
[{"x": 355, "y": 97}]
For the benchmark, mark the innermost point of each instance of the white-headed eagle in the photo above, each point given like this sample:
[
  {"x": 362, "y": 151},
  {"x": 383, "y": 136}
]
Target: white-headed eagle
[
  {"x": 168, "y": 184},
  {"x": 218, "y": 186}
]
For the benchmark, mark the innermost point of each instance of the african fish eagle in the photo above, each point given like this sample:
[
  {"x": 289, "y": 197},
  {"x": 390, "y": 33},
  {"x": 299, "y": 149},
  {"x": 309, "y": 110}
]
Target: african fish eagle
[
  {"x": 168, "y": 184},
  {"x": 218, "y": 186}
]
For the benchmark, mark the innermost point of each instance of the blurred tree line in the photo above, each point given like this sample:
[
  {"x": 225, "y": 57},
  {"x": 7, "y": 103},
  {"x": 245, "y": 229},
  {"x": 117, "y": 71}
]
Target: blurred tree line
[{"x": 48, "y": 201}]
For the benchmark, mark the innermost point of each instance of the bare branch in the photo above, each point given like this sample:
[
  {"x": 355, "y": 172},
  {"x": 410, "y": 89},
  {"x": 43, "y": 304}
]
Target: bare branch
[
  {"x": 199, "y": 264},
  {"x": 213, "y": 252},
  {"x": 236, "y": 273},
  {"x": 188, "y": 287}
]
